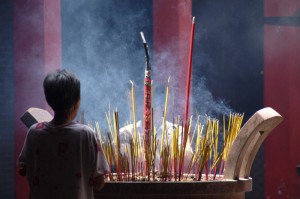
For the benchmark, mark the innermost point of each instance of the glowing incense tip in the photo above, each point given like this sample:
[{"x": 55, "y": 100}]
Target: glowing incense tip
[
  {"x": 143, "y": 38},
  {"x": 193, "y": 20},
  {"x": 131, "y": 82},
  {"x": 169, "y": 79}
]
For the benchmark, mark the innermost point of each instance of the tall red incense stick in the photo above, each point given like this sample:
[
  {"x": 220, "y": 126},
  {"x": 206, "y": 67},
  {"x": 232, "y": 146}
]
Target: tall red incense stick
[
  {"x": 187, "y": 98},
  {"x": 147, "y": 108},
  {"x": 188, "y": 82}
]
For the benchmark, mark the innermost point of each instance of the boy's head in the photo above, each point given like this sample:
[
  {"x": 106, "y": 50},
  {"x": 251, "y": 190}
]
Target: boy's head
[{"x": 62, "y": 90}]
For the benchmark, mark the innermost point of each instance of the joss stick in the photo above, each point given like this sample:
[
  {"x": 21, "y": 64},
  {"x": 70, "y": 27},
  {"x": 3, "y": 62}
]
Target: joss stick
[
  {"x": 132, "y": 159},
  {"x": 136, "y": 138},
  {"x": 204, "y": 160},
  {"x": 164, "y": 127},
  {"x": 205, "y": 148},
  {"x": 133, "y": 110},
  {"x": 117, "y": 145},
  {"x": 233, "y": 127},
  {"x": 99, "y": 132},
  {"x": 182, "y": 151},
  {"x": 109, "y": 122},
  {"x": 188, "y": 83},
  {"x": 175, "y": 149},
  {"x": 196, "y": 127},
  {"x": 154, "y": 145},
  {"x": 147, "y": 107},
  {"x": 224, "y": 145},
  {"x": 128, "y": 170},
  {"x": 197, "y": 154},
  {"x": 187, "y": 97},
  {"x": 165, "y": 162},
  {"x": 111, "y": 152}
]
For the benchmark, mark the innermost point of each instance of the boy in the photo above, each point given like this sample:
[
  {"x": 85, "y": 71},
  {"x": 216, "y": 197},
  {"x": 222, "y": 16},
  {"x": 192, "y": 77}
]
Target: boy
[{"x": 62, "y": 159}]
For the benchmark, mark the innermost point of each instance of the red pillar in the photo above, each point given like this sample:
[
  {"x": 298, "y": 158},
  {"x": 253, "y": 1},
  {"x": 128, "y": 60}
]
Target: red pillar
[
  {"x": 172, "y": 21},
  {"x": 282, "y": 92},
  {"x": 37, "y": 50}
]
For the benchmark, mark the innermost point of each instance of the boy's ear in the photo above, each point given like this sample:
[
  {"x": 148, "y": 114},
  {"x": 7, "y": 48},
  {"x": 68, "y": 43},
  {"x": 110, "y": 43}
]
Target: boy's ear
[{"x": 78, "y": 103}]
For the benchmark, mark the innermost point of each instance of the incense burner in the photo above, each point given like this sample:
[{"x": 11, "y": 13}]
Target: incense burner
[{"x": 235, "y": 182}]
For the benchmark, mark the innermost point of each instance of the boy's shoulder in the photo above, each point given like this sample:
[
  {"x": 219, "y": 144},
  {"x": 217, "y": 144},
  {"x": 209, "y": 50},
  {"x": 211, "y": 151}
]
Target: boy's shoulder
[
  {"x": 81, "y": 127},
  {"x": 78, "y": 126},
  {"x": 73, "y": 126}
]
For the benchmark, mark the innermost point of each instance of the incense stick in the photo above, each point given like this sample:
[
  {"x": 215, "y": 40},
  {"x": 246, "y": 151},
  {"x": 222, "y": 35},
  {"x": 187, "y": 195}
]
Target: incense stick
[{"x": 188, "y": 86}]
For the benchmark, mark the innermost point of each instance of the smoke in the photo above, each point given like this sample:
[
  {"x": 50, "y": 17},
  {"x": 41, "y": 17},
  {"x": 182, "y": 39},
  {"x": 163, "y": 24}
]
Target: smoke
[
  {"x": 206, "y": 104},
  {"x": 102, "y": 45}
]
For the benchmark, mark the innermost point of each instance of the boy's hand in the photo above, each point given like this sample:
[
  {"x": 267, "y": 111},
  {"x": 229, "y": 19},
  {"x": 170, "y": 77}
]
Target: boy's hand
[{"x": 98, "y": 183}]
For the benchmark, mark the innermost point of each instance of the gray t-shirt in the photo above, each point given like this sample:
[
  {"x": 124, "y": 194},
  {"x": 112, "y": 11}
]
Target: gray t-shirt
[{"x": 62, "y": 161}]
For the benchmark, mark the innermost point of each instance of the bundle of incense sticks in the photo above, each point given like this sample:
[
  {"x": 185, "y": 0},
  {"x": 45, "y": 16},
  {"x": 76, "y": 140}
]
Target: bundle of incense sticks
[{"x": 210, "y": 148}]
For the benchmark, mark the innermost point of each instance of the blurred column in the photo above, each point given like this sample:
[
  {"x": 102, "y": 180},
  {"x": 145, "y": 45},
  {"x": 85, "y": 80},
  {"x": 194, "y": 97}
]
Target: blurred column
[
  {"x": 172, "y": 21},
  {"x": 282, "y": 92},
  {"x": 37, "y": 50},
  {"x": 6, "y": 101}
]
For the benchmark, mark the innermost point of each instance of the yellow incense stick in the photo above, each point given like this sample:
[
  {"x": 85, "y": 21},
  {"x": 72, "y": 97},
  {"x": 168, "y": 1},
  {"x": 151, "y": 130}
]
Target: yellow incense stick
[
  {"x": 99, "y": 132},
  {"x": 164, "y": 128},
  {"x": 133, "y": 109}
]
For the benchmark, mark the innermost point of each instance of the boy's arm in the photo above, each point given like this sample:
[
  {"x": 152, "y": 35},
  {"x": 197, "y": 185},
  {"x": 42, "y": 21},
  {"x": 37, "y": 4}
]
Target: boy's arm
[
  {"x": 101, "y": 167},
  {"x": 24, "y": 155}
]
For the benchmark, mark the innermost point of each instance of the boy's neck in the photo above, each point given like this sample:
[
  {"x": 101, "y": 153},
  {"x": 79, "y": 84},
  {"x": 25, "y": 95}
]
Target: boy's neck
[
  {"x": 65, "y": 116},
  {"x": 61, "y": 118}
]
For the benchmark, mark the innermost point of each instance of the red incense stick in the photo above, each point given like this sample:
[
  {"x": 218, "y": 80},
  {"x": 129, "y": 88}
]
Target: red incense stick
[
  {"x": 188, "y": 88},
  {"x": 188, "y": 82}
]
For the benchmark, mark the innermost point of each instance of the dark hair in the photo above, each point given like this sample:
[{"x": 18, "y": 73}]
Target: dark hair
[{"x": 62, "y": 89}]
